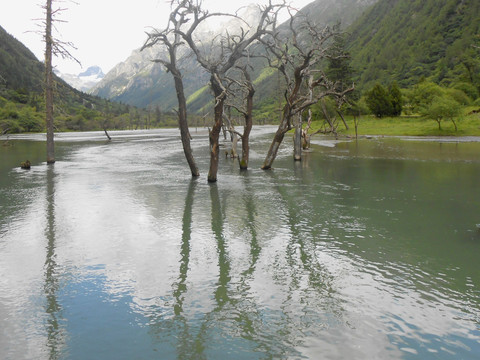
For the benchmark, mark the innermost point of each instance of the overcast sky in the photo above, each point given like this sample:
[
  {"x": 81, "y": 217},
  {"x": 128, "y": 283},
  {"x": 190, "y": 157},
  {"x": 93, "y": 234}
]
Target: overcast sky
[{"x": 104, "y": 31}]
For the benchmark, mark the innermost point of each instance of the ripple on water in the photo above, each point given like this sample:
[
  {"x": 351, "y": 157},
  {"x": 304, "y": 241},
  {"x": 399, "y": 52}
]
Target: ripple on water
[{"x": 300, "y": 262}]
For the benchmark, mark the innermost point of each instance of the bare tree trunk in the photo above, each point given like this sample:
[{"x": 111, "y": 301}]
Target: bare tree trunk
[
  {"x": 355, "y": 121},
  {"x": 215, "y": 132},
  {"x": 224, "y": 129},
  {"x": 283, "y": 128},
  {"x": 228, "y": 123},
  {"x": 297, "y": 139},
  {"x": 343, "y": 119},
  {"x": 247, "y": 130},
  {"x": 305, "y": 135},
  {"x": 106, "y": 133},
  {"x": 234, "y": 135},
  {"x": 171, "y": 65},
  {"x": 306, "y": 141},
  {"x": 285, "y": 124},
  {"x": 183, "y": 123},
  {"x": 49, "y": 85}
]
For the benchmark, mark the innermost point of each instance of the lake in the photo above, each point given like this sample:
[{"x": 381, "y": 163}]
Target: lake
[{"x": 366, "y": 249}]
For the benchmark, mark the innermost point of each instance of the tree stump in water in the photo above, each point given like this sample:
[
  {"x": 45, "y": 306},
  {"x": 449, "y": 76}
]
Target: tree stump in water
[{"x": 25, "y": 165}]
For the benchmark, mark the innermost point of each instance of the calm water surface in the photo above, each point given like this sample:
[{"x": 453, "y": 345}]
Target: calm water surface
[{"x": 364, "y": 250}]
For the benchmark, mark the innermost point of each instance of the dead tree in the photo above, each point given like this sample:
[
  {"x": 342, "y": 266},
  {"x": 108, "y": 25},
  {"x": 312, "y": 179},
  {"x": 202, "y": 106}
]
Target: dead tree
[
  {"x": 49, "y": 83},
  {"x": 229, "y": 49},
  {"x": 245, "y": 90},
  {"x": 229, "y": 126},
  {"x": 106, "y": 120},
  {"x": 171, "y": 39},
  {"x": 53, "y": 47},
  {"x": 296, "y": 57}
]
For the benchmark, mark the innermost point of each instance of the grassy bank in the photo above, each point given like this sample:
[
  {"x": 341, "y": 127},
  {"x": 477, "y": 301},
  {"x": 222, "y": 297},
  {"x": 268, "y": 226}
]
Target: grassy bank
[{"x": 468, "y": 125}]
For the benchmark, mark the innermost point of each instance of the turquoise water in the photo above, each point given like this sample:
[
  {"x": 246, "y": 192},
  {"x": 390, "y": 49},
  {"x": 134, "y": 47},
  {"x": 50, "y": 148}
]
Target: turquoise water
[{"x": 364, "y": 250}]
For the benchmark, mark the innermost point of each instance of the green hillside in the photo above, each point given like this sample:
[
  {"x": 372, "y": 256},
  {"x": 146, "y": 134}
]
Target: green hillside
[
  {"x": 19, "y": 68},
  {"x": 22, "y": 106},
  {"x": 432, "y": 42},
  {"x": 407, "y": 40}
]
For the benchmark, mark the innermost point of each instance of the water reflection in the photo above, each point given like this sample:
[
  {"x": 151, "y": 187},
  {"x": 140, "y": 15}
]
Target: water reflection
[
  {"x": 250, "y": 223},
  {"x": 221, "y": 293},
  {"x": 55, "y": 332},
  {"x": 181, "y": 285},
  {"x": 348, "y": 254},
  {"x": 185, "y": 346}
]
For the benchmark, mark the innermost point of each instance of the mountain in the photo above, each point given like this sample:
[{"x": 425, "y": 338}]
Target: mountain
[
  {"x": 84, "y": 81},
  {"x": 407, "y": 40},
  {"x": 19, "y": 68},
  {"x": 141, "y": 82},
  {"x": 95, "y": 71},
  {"x": 138, "y": 81},
  {"x": 330, "y": 12},
  {"x": 22, "y": 105}
]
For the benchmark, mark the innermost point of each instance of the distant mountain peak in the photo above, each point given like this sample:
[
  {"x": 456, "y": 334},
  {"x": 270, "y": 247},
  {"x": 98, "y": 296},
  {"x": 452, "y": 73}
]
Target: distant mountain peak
[
  {"x": 93, "y": 71},
  {"x": 84, "y": 81}
]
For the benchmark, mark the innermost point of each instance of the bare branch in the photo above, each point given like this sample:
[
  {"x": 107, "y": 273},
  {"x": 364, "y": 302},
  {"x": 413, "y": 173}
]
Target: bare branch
[{"x": 60, "y": 48}]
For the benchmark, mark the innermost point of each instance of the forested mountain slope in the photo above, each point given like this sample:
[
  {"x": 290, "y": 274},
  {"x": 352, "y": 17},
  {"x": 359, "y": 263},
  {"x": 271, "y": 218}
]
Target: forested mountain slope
[
  {"x": 19, "y": 68},
  {"x": 406, "y": 40},
  {"x": 21, "y": 71},
  {"x": 22, "y": 106}
]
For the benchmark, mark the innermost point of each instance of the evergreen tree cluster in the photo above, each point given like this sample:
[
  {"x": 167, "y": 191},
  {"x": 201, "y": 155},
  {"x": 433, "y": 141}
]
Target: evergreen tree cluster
[
  {"x": 385, "y": 102},
  {"x": 407, "y": 40}
]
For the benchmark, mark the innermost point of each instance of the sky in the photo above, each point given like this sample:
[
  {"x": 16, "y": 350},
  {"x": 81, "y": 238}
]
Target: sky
[{"x": 104, "y": 32}]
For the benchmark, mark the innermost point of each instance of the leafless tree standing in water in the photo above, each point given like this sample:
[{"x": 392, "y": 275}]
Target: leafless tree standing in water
[{"x": 53, "y": 47}]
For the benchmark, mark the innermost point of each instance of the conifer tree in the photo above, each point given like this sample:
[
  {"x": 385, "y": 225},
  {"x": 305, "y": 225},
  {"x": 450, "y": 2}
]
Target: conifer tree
[
  {"x": 385, "y": 102},
  {"x": 396, "y": 99}
]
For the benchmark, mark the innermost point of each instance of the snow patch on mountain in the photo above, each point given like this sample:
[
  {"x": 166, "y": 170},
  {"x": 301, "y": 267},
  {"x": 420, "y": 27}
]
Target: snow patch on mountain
[{"x": 86, "y": 80}]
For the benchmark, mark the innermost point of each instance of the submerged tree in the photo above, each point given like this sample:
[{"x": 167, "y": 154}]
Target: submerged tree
[
  {"x": 171, "y": 39},
  {"x": 107, "y": 116},
  {"x": 296, "y": 56},
  {"x": 53, "y": 47},
  {"x": 221, "y": 56},
  {"x": 49, "y": 83},
  {"x": 245, "y": 90}
]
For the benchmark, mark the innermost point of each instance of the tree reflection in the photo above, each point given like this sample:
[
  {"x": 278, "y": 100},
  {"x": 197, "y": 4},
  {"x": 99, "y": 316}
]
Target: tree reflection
[
  {"x": 181, "y": 286},
  {"x": 186, "y": 345},
  {"x": 221, "y": 293},
  {"x": 249, "y": 223},
  {"x": 238, "y": 321},
  {"x": 190, "y": 345},
  {"x": 250, "y": 316},
  {"x": 55, "y": 336},
  {"x": 305, "y": 274}
]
